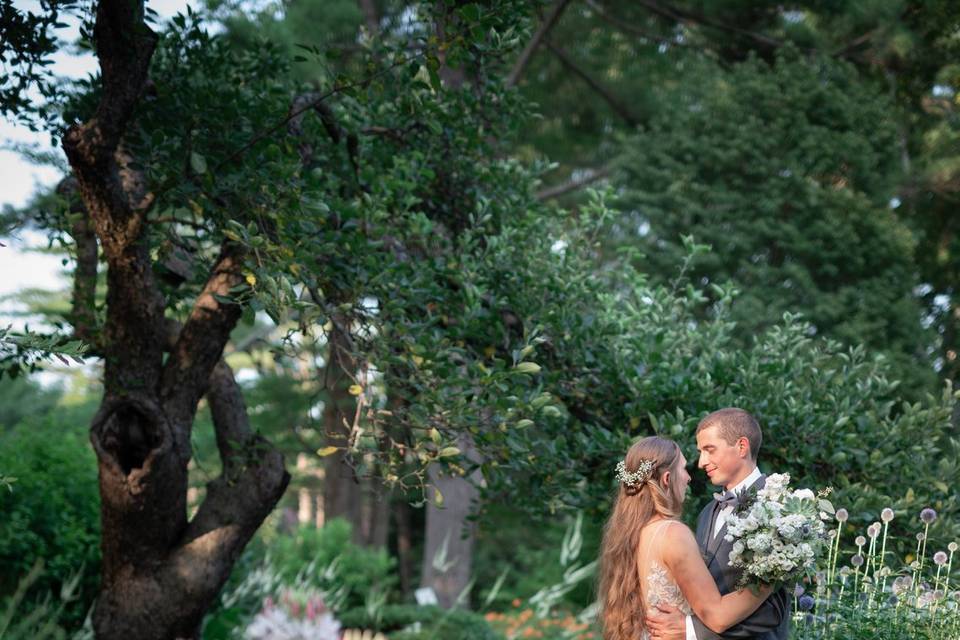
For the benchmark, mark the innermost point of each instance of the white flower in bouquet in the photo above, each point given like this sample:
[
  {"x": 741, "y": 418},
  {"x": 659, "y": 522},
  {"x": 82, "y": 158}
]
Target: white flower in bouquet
[
  {"x": 777, "y": 533},
  {"x": 293, "y": 618}
]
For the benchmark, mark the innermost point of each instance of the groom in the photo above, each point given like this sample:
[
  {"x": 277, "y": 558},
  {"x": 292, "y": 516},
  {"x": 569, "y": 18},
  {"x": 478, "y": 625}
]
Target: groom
[{"x": 728, "y": 441}]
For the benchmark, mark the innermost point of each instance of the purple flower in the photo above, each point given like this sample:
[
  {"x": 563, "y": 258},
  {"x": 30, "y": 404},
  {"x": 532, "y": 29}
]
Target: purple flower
[
  {"x": 860, "y": 540},
  {"x": 842, "y": 515},
  {"x": 798, "y": 590},
  {"x": 940, "y": 558},
  {"x": 857, "y": 560},
  {"x": 805, "y": 603},
  {"x": 886, "y": 515},
  {"x": 928, "y": 515}
]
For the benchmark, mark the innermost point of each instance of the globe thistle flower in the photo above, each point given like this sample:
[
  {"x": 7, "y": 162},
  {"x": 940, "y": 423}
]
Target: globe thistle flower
[
  {"x": 886, "y": 515},
  {"x": 857, "y": 560},
  {"x": 899, "y": 586},
  {"x": 873, "y": 530},
  {"x": 940, "y": 558},
  {"x": 798, "y": 590},
  {"x": 920, "y": 537},
  {"x": 892, "y": 601},
  {"x": 928, "y": 515},
  {"x": 860, "y": 541},
  {"x": 808, "y": 618},
  {"x": 842, "y": 515},
  {"x": 952, "y": 547},
  {"x": 805, "y": 603}
]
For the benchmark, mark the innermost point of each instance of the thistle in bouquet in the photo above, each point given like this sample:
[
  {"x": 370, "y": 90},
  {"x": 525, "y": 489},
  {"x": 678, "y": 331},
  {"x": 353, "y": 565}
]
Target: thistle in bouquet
[{"x": 777, "y": 533}]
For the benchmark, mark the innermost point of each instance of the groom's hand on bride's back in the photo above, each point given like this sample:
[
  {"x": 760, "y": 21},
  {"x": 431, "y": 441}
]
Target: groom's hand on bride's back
[{"x": 666, "y": 622}]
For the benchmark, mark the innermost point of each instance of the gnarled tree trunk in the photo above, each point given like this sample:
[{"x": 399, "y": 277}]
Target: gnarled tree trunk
[{"x": 161, "y": 571}]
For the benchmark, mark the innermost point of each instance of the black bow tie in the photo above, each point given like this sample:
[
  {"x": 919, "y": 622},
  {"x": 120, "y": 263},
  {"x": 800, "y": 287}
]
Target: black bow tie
[{"x": 726, "y": 499}]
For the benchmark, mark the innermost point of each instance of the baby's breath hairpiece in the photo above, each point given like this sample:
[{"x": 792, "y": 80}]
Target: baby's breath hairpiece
[{"x": 638, "y": 477}]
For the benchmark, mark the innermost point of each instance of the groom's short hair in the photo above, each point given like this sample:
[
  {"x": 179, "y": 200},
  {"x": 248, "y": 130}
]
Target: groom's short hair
[{"x": 734, "y": 423}]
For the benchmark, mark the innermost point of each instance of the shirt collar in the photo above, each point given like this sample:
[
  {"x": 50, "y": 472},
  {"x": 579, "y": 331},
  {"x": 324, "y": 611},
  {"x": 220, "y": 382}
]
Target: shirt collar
[{"x": 749, "y": 480}]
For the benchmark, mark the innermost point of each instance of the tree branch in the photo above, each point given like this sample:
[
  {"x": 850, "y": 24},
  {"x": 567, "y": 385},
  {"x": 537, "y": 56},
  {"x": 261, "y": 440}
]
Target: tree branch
[
  {"x": 83, "y": 301},
  {"x": 252, "y": 481},
  {"x": 573, "y": 185},
  {"x": 684, "y": 16},
  {"x": 602, "y": 91},
  {"x": 201, "y": 341},
  {"x": 114, "y": 199},
  {"x": 370, "y": 18},
  {"x": 237, "y": 154},
  {"x": 521, "y": 65},
  {"x": 608, "y": 17}
]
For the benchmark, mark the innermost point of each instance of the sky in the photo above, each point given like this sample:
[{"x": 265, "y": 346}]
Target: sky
[{"x": 21, "y": 266}]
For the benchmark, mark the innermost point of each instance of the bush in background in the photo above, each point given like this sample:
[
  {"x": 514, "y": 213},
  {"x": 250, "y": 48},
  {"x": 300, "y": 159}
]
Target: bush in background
[{"x": 51, "y": 512}]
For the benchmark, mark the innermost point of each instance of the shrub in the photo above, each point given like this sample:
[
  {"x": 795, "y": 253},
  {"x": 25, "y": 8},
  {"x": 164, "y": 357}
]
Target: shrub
[
  {"x": 358, "y": 570},
  {"x": 52, "y": 510},
  {"x": 324, "y": 560},
  {"x": 434, "y": 622}
]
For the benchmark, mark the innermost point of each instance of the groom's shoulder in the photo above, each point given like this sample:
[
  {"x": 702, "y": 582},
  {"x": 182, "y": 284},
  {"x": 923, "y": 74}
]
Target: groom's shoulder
[{"x": 705, "y": 511}]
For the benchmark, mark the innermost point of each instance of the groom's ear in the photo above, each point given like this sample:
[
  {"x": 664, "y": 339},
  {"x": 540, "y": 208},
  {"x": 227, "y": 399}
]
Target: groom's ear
[{"x": 743, "y": 447}]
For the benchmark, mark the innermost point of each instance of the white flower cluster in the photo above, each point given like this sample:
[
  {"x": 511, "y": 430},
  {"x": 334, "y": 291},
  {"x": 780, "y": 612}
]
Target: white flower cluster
[
  {"x": 778, "y": 536},
  {"x": 289, "y": 620}
]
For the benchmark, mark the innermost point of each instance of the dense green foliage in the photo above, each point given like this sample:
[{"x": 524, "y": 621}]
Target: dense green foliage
[
  {"x": 819, "y": 165},
  {"x": 786, "y": 171},
  {"x": 357, "y": 571},
  {"x": 435, "y": 622},
  {"x": 51, "y": 513},
  {"x": 320, "y": 560}
]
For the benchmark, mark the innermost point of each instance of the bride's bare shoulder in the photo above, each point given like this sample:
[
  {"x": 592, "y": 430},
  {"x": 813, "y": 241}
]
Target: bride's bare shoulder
[{"x": 677, "y": 540}]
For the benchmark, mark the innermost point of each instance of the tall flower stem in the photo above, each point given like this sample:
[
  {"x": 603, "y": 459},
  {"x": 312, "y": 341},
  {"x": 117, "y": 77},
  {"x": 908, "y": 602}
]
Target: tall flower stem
[
  {"x": 918, "y": 564},
  {"x": 833, "y": 553},
  {"x": 883, "y": 555},
  {"x": 946, "y": 586}
]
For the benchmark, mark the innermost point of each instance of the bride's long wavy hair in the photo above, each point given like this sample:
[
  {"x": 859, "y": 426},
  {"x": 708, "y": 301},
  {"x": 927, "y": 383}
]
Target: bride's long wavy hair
[{"x": 621, "y": 603}]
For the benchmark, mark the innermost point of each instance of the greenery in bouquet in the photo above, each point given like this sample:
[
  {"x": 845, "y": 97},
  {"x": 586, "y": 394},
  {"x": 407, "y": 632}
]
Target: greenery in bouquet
[{"x": 777, "y": 533}]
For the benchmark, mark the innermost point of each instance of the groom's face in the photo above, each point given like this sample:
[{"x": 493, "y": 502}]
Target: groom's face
[{"x": 723, "y": 463}]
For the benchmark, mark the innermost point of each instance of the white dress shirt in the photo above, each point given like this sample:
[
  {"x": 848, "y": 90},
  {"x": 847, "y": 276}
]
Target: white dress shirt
[{"x": 721, "y": 519}]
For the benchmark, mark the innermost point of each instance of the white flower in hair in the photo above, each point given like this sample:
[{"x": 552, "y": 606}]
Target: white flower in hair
[{"x": 638, "y": 477}]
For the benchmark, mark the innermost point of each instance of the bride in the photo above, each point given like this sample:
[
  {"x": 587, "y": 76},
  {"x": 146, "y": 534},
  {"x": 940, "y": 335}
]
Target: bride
[{"x": 649, "y": 557}]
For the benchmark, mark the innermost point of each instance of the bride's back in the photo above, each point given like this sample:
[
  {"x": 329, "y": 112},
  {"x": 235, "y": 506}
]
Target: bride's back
[{"x": 656, "y": 584}]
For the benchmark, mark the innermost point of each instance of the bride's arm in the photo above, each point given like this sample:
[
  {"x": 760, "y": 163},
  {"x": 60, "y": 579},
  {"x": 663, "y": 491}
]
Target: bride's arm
[{"x": 682, "y": 556}]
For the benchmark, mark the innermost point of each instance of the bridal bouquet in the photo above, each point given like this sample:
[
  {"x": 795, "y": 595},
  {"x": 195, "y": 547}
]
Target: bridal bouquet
[{"x": 777, "y": 533}]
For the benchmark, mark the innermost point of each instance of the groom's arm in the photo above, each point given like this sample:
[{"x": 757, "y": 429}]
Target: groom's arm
[{"x": 766, "y": 618}]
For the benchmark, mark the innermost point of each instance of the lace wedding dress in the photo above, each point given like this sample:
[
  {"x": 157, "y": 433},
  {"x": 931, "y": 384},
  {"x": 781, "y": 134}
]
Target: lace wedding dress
[{"x": 657, "y": 585}]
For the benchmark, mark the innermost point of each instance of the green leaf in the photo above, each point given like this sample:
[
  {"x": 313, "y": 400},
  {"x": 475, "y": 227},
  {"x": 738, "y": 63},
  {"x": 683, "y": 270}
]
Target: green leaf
[
  {"x": 198, "y": 163},
  {"x": 528, "y": 367}
]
